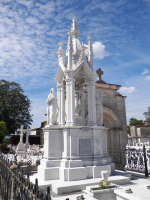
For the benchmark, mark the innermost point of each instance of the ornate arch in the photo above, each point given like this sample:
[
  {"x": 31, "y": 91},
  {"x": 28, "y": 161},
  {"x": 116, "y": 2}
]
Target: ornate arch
[{"x": 110, "y": 118}]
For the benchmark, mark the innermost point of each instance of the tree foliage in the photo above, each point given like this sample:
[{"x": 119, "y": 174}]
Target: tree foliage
[
  {"x": 14, "y": 106},
  {"x": 147, "y": 115},
  {"x": 135, "y": 122},
  {"x": 3, "y": 131}
]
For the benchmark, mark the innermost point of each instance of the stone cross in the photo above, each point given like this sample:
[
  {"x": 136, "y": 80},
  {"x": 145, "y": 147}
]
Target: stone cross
[
  {"x": 99, "y": 72},
  {"x": 27, "y": 135},
  {"x": 21, "y": 133}
]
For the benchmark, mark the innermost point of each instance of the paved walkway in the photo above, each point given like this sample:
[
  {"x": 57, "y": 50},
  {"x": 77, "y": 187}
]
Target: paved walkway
[{"x": 138, "y": 186}]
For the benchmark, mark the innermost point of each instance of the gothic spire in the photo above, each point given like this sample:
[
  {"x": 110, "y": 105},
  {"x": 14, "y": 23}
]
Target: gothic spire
[
  {"x": 90, "y": 53},
  {"x": 70, "y": 51},
  {"x": 60, "y": 53},
  {"x": 74, "y": 28}
]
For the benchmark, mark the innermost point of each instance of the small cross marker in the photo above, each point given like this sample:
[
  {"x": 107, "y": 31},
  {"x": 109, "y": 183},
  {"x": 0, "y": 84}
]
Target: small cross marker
[{"x": 99, "y": 73}]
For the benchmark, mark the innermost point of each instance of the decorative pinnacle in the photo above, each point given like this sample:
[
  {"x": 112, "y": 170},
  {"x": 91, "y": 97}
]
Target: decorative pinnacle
[
  {"x": 60, "y": 52},
  {"x": 90, "y": 43},
  {"x": 90, "y": 38},
  {"x": 70, "y": 33},
  {"x": 74, "y": 28},
  {"x": 60, "y": 45},
  {"x": 70, "y": 41},
  {"x": 74, "y": 24},
  {"x": 83, "y": 48}
]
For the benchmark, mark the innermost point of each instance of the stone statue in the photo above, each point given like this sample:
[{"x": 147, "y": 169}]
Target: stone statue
[
  {"x": 99, "y": 110},
  {"x": 78, "y": 103},
  {"x": 52, "y": 109}
]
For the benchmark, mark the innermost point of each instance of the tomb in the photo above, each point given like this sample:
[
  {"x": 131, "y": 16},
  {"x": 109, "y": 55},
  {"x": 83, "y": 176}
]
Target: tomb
[{"x": 75, "y": 140}]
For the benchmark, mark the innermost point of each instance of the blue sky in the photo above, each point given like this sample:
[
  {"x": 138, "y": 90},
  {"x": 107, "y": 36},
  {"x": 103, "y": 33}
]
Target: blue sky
[{"x": 31, "y": 30}]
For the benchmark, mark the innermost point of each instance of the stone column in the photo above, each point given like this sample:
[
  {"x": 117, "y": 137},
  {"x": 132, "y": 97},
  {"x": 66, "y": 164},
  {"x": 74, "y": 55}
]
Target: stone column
[
  {"x": 59, "y": 102},
  {"x": 70, "y": 105},
  {"x": 91, "y": 103},
  {"x": 82, "y": 106},
  {"x": 66, "y": 142},
  {"x": 62, "y": 103}
]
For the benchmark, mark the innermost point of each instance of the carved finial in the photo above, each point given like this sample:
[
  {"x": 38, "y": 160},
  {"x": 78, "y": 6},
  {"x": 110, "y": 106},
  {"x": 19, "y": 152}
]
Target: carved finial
[
  {"x": 60, "y": 52},
  {"x": 99, "y": 73},
  {"x": 60, "y": 44},
  {"x": 89, "y": 38},
  {"x": 74, "y": 24},
  {"x": 74, "y": 28}
]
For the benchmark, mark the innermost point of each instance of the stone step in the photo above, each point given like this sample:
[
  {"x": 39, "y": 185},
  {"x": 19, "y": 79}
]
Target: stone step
[{"x": 59, "y": 187}]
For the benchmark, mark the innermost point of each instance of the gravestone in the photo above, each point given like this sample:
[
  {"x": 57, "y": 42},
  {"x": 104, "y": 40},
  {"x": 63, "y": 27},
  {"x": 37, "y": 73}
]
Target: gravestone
[
  {"x": 27, "y": 144},
  {"x": 21, "y": 146}
]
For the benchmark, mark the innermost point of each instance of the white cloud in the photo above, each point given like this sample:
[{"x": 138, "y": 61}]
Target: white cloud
[
  {"x": 117, "y": 54},
  {"x": 127, "y": 89},
  {"x": 146, "y": 71},
  {"x": 148, "y": 78},
  {"x": 32, "y": 20},
  {"x": 28, "y": 4},
  {"x": 99, "y": 50}
]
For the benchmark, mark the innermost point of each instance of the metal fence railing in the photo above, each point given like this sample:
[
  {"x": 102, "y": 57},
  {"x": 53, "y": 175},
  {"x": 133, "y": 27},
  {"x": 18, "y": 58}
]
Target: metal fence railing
[
  {"x": 14, "y": 185},
  {"x": 138, "y": 159},
  {"x": 118, "y": 157}
]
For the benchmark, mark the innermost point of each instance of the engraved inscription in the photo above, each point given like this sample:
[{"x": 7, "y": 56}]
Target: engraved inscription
[{"x": 84, "y": 146}]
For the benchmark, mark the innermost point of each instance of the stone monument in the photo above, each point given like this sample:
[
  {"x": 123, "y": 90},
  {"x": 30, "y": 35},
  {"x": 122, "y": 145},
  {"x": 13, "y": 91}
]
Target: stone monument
[
  {"x": 75, "y": 140},
  {"x": 20, "y": 146},
  {"x": 27, "y": 144}
]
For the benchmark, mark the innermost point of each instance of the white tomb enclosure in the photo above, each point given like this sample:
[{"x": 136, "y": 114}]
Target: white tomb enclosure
[{"x": 75, "y": 140}]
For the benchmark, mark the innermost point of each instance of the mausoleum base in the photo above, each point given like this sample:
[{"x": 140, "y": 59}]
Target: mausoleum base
[
  {"x": 74, "y": 173},
  {"x": 74, "y": 153}
]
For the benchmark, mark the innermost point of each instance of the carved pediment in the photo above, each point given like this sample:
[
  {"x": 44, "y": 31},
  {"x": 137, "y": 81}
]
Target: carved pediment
[{"x": 83, "y": 68}]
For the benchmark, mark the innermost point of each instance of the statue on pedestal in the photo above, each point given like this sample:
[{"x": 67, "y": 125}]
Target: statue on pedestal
[{"x": 52, "y": 108}]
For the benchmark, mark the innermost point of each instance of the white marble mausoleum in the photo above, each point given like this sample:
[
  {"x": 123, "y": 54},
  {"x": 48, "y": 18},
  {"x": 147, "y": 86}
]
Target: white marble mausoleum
[{"x": 75, "y": 140}]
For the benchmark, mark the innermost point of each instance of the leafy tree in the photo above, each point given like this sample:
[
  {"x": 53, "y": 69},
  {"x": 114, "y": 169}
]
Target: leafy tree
[
  {"x": 14, "y": 106},
  {"x": 147, "y": 115},
  {"x": 3, "y": 131},
  {"x": 135, "y": 122}
]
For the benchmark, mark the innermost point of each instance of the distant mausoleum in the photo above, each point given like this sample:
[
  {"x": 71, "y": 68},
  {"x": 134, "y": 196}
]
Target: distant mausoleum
[{"x": 139, "y": 134}]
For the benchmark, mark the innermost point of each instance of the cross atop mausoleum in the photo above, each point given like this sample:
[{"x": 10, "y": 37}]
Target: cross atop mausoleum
[{"x": 99, "y": 72}]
